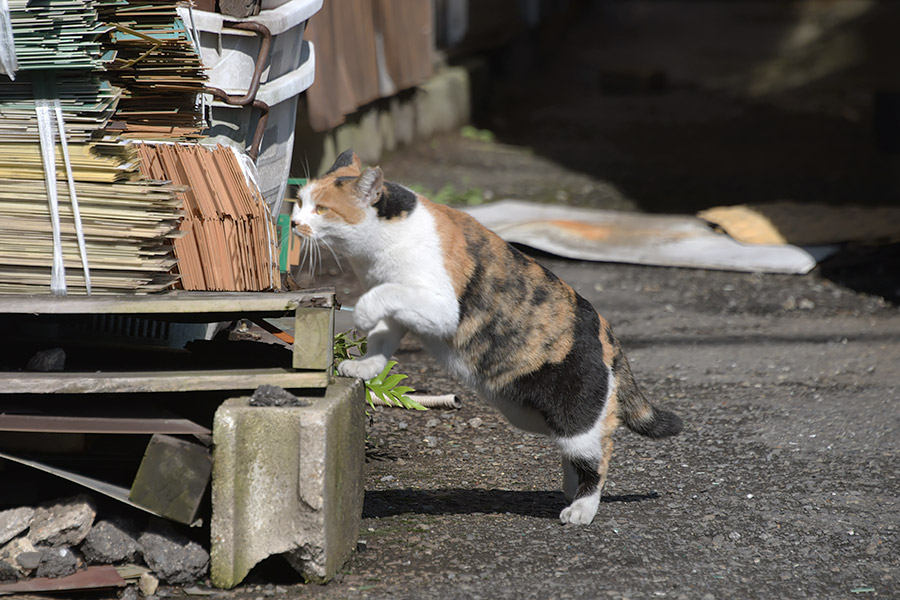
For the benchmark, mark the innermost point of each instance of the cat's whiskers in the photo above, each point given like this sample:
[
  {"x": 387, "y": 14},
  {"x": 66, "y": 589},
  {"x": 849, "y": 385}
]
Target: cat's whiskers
[
  {"x": 336, "y": 259},
  {"x": 305, "y": 252}
]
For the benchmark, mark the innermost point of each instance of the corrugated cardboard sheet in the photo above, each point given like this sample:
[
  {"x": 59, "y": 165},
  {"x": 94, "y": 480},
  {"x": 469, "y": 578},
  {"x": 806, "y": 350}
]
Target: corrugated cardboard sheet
[
  {"x": 366, "y": 49},
  {"x": 229, "y": 242}
]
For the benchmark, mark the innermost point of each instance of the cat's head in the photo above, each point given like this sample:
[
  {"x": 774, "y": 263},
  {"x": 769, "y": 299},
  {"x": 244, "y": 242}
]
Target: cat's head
[{"x": 332, "y": 208}]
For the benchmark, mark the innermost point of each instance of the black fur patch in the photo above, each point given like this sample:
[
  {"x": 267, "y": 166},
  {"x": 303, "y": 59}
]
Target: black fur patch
[
  {"x": 588, "y": 476},
  {"x": 340, "y": 181},
  {"x": 395, "y": 201},
  {"x": 344, "y": 160},
  {"x": 482, "y": 295},
  {"x": 570, "y": 394}
]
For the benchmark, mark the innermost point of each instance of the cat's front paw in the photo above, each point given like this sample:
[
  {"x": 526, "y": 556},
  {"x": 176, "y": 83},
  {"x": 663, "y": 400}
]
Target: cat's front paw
[
  {"x": 582, "y": 511},
  {"x": 365, "y": 368}
]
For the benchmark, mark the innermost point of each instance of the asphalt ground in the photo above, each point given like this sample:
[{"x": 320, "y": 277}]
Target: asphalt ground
[{"x": 784, "y": 481}]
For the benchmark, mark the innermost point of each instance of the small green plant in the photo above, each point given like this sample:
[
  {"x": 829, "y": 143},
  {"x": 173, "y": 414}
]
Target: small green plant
[
  {"x": 449, "y": 194},
  {"x": 473, "y": 133},
  {"x": 346, "y": 341},
  {"x": 384, "y": 385}
]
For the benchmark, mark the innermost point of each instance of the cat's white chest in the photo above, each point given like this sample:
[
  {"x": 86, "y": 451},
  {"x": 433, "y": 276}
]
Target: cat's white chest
[{"x": 405, "y": 257}]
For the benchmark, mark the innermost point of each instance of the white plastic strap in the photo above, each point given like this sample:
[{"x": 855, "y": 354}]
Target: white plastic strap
[
  {"x": 9, "y": 64},
  {"x": 42, "y": 108},
  {"x": 73, "y": 197}
]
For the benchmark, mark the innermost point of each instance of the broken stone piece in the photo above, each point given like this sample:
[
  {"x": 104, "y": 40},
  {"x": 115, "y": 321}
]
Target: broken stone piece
[
  {"x": 173, "y": 557},
  {"x": 8, "y": 573},
  {"x": 46, "y": 361},
  {"x": 272, "y": 395},
  {"x": 109, "y": 542},
  {"x": 29, "y": 560},
  {"x": 13, "y": 522},
  {"x": 148, "y": 584},
  {"x": 57, "y": 562},
  {"x": 10, "y": 553},
  {"x": 63, "y": 522}
]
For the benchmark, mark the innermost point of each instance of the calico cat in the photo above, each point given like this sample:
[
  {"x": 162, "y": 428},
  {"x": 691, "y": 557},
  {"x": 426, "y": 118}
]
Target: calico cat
[{"x": 494, "y": 317}]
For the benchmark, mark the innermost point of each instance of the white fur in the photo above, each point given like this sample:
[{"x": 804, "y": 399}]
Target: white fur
[
  {"x": 587, "y": 445},
  {"x": 407, "y": 285},
  {"x": 582, "y": 511}
]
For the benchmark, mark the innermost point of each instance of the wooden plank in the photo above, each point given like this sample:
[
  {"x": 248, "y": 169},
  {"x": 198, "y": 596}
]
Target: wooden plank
[
  {"x": 172, "y": 478},
  {"x": 178, "y": 302},
  {"x": 314, "y": 338},
  {"x": 123, "y": 425},
  {"x": 158, "y": 381}
]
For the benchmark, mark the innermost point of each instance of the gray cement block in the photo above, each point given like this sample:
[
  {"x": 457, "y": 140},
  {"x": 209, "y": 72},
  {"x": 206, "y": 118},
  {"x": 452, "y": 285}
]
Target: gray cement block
[
  {"x": 443, "y": 102},
  {"x": 289, "y": 481}
]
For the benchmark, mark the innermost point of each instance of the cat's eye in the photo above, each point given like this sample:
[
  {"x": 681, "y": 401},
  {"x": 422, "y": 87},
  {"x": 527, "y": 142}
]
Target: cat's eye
[{"x": 321, "y": 210}]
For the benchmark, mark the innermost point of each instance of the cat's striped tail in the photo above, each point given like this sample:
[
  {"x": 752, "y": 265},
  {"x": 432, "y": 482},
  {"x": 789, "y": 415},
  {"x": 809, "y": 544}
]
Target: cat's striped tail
[{"x": 637, "y": 413}]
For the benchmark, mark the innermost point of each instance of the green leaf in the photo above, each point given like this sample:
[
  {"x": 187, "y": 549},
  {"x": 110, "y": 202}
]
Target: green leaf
[
  {"x": 393, "y": 380},
  {"x": 410, "y": 403}
]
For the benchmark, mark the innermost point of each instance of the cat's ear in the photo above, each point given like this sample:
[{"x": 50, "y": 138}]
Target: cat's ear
[
  {"x": 348, "y": 158},
  {"x": 369, "y": 185}
]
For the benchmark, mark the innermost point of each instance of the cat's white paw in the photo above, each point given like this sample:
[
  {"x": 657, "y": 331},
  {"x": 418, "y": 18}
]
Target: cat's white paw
[
  {"x": 365, "y": 368},
  {"x": 582, "y": 511}
]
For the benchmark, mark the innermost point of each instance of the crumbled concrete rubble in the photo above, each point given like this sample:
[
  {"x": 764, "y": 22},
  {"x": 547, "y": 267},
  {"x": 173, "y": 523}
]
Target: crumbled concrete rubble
[
  {"x": 58, "y": 538},
  {"x": 272, "y": 395},
  {"x": 173, "y": 557}
]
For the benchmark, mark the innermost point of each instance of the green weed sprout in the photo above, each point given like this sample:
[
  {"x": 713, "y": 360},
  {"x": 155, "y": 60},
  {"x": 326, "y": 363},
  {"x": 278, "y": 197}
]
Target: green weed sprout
[{"x": 384, "y": 385}]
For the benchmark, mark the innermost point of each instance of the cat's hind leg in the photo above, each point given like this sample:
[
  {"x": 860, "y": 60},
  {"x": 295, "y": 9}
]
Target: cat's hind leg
[{"x": 585, "y": 464}]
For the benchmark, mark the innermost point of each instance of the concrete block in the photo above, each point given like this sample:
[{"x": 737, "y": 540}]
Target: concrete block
[
  {"x": 289, "y": 481},
  {"x": 443, "y": 102},
  {"x": 386, "y": 129},
  {"x": 403, "y": 114}
]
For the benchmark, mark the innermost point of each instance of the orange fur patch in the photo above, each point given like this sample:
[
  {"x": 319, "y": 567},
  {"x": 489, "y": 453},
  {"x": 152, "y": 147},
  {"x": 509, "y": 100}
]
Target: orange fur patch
[
  {"x": 609, "y": 349},
  {"x": 450, "y": 225},
  {"x": 548, "y": 320},
  {"x": 341, "y": 201}
]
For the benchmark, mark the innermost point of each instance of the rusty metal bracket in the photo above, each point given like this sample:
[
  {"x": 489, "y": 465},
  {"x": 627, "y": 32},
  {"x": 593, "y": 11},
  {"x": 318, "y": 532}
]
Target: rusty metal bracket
[
  {"x": 253, "y": 150},
  {"x": 249, "y": 99}
]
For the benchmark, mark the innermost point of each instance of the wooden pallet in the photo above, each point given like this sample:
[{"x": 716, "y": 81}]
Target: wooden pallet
[
  {"x": 174, "y": 472},
  {"x": 313, "y": 313}
]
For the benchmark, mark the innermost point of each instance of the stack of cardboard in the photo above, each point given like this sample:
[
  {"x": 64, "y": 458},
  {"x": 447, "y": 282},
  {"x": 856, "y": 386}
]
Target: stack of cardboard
[
  {"x": 63, "y": 34},
  {"x": 87, "y": 103},
  {"x": 229, "y": 241},
  {"x": 143, "y": 218},
  {"x": 158, "y": 67},
  {"x": 127, "y": 224}
]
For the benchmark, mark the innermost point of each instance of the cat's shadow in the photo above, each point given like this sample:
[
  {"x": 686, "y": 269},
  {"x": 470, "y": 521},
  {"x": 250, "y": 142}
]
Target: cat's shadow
[{"x": 459, "y": 501}]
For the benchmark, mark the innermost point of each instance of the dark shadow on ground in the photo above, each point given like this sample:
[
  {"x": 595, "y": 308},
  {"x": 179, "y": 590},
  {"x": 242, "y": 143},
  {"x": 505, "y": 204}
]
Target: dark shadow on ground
[
  {"x": 676, "y": 132},
  {"x": 872, "y": 269},
  {"x": 460, "y": 501}
]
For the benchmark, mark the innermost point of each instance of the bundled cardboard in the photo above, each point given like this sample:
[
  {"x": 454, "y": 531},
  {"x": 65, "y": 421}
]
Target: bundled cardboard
[
  {"x": 229, "y": 242},
  {"x": 128, "y": 224}
]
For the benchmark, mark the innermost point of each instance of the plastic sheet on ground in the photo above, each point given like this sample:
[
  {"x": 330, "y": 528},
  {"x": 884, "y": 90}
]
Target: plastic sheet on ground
[{"x": 636, "y": 238}]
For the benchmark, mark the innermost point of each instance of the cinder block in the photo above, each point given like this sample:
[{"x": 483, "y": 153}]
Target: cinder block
[
  {"x": 289, "y": 481},
  {"x": 443, "y": 102}
]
